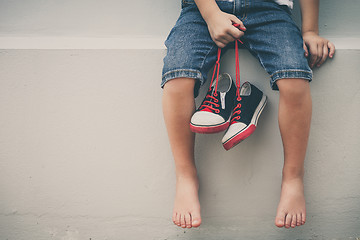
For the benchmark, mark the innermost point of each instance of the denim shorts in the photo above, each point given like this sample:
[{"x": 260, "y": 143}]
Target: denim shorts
[{"x": 271, "y": 36}]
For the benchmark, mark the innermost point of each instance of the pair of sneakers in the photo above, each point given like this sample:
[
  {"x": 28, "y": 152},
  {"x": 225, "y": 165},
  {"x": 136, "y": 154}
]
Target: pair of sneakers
[{"x": 226, "y": 107}]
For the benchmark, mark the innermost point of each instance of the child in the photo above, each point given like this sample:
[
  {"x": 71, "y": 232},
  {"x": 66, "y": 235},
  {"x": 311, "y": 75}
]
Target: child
[{"x": 267, "y": 31}]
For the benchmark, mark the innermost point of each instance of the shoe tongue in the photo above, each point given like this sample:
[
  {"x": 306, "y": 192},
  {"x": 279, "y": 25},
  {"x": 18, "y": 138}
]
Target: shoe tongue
[
  {"x": 245, "y": 89},
  {"x": 223, "y": 83},
  {"x": 221, "y": 76}
]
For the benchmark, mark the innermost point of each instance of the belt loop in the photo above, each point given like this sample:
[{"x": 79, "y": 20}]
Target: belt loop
[{"x": 238, "y": 6}]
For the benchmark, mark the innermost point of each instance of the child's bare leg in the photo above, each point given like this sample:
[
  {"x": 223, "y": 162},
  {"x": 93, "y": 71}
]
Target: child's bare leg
[
  {"x": 295, "y": 109},
  {"x": 178, "y": 107}
]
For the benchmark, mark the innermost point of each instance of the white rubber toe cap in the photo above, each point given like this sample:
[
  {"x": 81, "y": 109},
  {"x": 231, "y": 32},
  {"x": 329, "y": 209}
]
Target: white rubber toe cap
[
  {"x": 206, "y": 118},
  {"x": 233, "y": 130}
]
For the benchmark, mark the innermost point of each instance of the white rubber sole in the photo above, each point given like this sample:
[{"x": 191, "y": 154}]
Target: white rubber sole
[
  {"x": 259, "y": 110},
  {"x": 248, "y": 130}
]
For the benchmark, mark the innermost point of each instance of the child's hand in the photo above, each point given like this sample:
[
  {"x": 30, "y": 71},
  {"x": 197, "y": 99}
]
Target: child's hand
[
  {"x": 221, "y": 28},
  {"x": 319, "y": 48}
]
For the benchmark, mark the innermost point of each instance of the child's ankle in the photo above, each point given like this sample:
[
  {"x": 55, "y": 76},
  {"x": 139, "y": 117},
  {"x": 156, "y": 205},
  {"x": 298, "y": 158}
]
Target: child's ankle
[
  {"x": 186, "y": 173},
  {"x": 290, "y": 173}
]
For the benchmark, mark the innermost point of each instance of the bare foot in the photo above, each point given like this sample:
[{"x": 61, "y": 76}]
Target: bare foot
[
  {"x": 291, "y": 209},
  {"x": 186, "y": 212}
]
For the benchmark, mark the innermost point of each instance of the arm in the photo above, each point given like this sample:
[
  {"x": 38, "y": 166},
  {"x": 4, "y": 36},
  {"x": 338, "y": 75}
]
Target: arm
[
  {"x": 219, "y": 23},
  {"x": 319, "y": 48}
]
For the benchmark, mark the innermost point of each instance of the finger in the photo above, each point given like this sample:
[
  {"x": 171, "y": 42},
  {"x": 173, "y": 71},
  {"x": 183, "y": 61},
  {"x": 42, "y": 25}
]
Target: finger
[
  {"x": 306, "y": 50},
  {"x": 220, "y": 43},
  {"x": 331, "y": 46},
  {"x": 324, "y": 56},
  {"x": 235, "y": 33},
  {"x": 238, "y": 24},
  {"x": 227, "y": 38},
  {"x": 320, "y": 52},
  {"x": 313, "y": 55},
  {"x": 222, "y": 40}
]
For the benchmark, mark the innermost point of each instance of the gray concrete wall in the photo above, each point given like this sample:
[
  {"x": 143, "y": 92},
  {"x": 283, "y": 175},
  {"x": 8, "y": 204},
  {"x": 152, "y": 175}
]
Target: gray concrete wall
[
  {"x": 84, "y": 152},
  {"x": 114, "y": 17}
]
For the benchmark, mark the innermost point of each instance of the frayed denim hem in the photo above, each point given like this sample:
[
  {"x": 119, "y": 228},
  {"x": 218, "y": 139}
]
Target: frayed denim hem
[
  {"x": 291, "y": 73},
  {"x": 184, "y": 73}
]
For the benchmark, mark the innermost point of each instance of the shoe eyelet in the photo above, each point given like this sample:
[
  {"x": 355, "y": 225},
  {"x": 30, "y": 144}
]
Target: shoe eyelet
[{"x": 217, "y": 110}]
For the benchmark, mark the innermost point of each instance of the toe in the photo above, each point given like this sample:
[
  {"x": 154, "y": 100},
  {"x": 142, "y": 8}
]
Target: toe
[
  {"x": 288, "y": 219},
  {"x": 178, "y": 219},
  {"x": 293, "y": 222},
  {"x": 188, "y": 220},
  {"x": 195, "y": 219},
  {"x": 303, "y": 217},
  {"x": 174, "y": 217},
  {"x": 298, "y": 219},
  {"x": 183, "y": 222},
  {"x": 279, "y": 220}
]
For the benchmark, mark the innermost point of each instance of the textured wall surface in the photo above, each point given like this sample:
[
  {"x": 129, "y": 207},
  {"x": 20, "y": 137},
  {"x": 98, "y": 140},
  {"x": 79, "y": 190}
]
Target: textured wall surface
[
  {"x": 114, "y": 17},
  {"x": 84, "y": 152}
]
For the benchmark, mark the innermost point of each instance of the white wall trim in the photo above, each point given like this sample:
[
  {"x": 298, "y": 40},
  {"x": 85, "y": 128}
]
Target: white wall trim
[
  {"x": 140, "y": 42},
  {"x": 82, "y": 43}
]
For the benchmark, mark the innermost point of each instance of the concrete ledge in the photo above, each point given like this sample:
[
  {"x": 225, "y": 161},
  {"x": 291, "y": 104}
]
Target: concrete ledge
[{"x": 139, "y": 42}]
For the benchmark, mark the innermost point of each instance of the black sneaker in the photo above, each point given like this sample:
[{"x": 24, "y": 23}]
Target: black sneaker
[
  {"x": 214, "y": 112},
  {"x": 247, "y": 109}
]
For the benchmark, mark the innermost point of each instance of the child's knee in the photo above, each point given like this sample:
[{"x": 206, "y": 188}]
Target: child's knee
[
  {"x": 180, "y": 86},
  {"x": 294, "y": 88}
]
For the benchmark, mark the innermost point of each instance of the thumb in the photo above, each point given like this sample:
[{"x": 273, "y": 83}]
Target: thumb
[{"x": 237, "y": 23}]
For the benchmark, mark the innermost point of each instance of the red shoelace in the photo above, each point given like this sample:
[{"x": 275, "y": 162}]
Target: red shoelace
[
  {"x": 237, "y": 109},
  {"x": 211, "y": 102}
]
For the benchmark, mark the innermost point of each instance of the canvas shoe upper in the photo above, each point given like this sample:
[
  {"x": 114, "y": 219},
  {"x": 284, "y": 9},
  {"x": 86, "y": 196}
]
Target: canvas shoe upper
[
  {"x": 214, "y": 112},
  {"x": 247, "y": 109}
]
